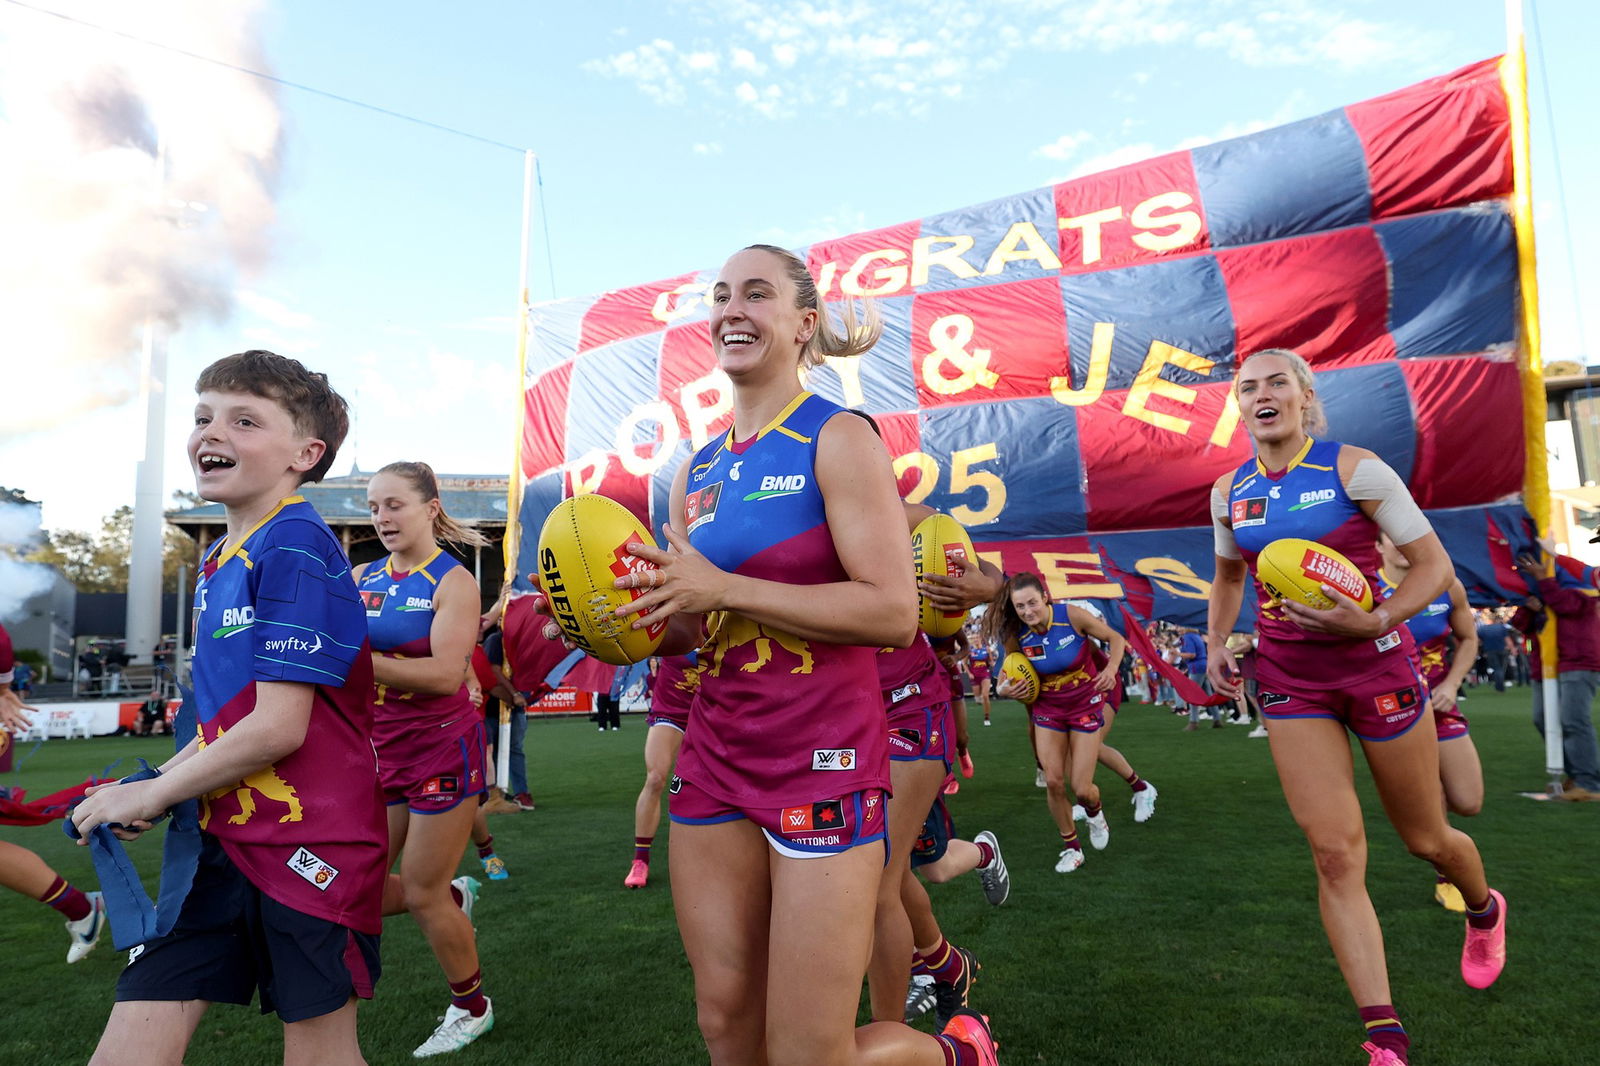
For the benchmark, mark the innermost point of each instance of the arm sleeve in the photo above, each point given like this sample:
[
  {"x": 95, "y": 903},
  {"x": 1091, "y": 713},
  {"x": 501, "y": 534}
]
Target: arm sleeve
[
  {"x": 1221, "y": 532},
  {"x": 309, "y": 622},
  {"x": 1398, "y": 514}
]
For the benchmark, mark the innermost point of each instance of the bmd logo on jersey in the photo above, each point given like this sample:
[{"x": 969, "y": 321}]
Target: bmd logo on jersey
[
  {"x": 416, "y": 603},
  {"x": 1311, "y": 499},
  {"x": 775, "y": 485},
  {"x": 234, "y": 620},
  {"x": 833, "y": 758}
]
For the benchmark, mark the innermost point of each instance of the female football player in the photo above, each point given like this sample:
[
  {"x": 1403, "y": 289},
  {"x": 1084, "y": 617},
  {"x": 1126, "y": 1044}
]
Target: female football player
[
  {"x": 1432, "y": 629},
  {"x": 422, "y": 616},
  {"x": 1069, "y": 713},
  {"x": 777, "y": 550},
  {"x": 1322, "y": 673}
]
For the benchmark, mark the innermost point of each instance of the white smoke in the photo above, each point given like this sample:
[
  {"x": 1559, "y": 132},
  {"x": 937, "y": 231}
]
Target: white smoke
[
  {"x": 19, "y": 581},
  {"x": 96, "y": 235}
]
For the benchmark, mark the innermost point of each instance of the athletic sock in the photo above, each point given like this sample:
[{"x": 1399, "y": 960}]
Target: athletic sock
[
  {"x": 985, "y": 854},
  {"x": 641, "y": 849},
  {"x": 486, "y": 848},
  {"x": 957, "y": 1052},
  {"x": 1441, "y": 879},
  {"x": 72, "y": 903},
  {"x": 1135, "y": 782},
  {"x": 1483, "y": 915},
  {"x": 919, "y": 968},
  {"x": 1092, "y": 810},
  {"x": 1069, "y": 840},
  {"x": 1384, "y": 1029},
  {"x": 468, "y": 994},
  {"x": 944, "y": 962}
]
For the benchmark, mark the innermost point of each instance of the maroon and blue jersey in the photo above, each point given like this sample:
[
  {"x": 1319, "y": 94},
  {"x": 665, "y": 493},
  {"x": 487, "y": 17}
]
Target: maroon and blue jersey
[
  {"x": 1430, "y": 631},
  {"x": 1307, "y": 500},
  {"x": 979, "y": 660},
  {"x": 1060, "y": 655},
  {"x": 400, "y": 615},
  {"x": 308, "y": 830},
  {"x": 777, "y": 719}
]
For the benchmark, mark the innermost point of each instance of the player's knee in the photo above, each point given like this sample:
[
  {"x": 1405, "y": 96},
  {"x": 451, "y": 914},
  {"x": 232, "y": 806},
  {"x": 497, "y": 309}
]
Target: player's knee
[
  {"x": 727, "y": 1027},
  {"x": 1429, "y": 846},
  {"x": 1339, "y": 861}
]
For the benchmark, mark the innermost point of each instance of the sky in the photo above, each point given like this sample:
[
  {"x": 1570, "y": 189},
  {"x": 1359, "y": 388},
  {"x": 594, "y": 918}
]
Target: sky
[{"x": 387, "y": 253}]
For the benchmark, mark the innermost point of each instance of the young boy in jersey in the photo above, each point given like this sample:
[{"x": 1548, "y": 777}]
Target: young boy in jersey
[{"x": 287, "y": 893}]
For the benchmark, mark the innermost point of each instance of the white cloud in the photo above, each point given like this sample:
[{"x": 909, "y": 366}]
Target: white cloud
[
  {"x": 708, "y": 148},
  {"x": 878, "y": 59},
  {"x": 1064, "y": 146}
]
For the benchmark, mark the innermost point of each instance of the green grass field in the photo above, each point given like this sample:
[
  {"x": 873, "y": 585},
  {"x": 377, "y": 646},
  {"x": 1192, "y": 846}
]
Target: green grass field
[{"x": 1192, "y": 939}]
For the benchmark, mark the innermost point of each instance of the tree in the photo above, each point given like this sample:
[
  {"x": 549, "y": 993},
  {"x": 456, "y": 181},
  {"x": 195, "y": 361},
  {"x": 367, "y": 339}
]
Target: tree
[{"x": 98, "y": 562}]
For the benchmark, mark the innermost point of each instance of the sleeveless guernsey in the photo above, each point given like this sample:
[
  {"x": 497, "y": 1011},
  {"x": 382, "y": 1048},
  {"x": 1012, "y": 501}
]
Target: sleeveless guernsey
[{"x": 776, "y": 719}]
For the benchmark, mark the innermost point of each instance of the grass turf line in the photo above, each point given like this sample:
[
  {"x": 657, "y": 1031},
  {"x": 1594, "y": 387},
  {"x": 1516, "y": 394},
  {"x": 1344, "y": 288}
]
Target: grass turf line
[{"x": 1193, "y": 939}]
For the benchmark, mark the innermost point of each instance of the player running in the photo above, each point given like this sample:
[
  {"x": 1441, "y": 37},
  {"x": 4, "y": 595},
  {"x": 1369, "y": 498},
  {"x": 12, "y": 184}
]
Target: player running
[
  {"x": 675, "y": 679},
  {"x": 777, "y": 548},
  {"x": 1448, "y": 615},
  {"x": 1323, "y": 673},
  {"x": 422, "y": 614},
  {"x": 1069, "y": 715}
]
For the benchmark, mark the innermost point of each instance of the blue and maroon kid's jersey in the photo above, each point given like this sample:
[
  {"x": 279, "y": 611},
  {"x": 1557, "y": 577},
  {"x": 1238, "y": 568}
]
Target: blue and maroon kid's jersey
[
  {"x": 1308, "y": 500},
  {"x": 308, "y": 830},
  {"x": 1060, "y": 655},
  {"x": 400, "y": 614},
  {"x": 777, "y": 719}
]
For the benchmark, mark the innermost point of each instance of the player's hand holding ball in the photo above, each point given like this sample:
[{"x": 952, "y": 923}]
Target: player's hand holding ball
[
  {"x": 683, "y": 580},
  {"x": 1346, "y": 618}
]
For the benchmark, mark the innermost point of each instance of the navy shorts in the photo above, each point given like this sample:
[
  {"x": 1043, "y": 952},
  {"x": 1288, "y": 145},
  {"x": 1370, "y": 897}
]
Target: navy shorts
[{"x": 231, "y": 940}]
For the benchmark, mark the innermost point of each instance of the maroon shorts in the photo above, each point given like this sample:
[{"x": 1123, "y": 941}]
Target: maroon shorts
[
  {"x": 804, "y": 830},
  {"x": 1381, "y": 706},
  {"x": 979, "y": 671},
  {"x": 664, "y": 716},
  {"x": 921, "y": 733},
  {"x": 453, "y": 771},
  {"x": 1450, "y": 724},
  {"x": 1079, "y": 709}
]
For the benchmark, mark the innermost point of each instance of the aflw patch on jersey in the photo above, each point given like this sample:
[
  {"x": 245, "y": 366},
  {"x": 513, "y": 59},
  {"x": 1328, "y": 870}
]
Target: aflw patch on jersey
[{"x": 304, "y": 862}]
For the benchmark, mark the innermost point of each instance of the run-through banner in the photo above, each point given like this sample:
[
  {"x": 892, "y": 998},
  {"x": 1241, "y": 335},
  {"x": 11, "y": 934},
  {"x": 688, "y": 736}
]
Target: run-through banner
[{"x": 1055, "y": 365}]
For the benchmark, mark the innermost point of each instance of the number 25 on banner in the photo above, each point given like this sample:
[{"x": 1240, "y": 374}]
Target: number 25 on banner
[{"x": 963, "y": 479}]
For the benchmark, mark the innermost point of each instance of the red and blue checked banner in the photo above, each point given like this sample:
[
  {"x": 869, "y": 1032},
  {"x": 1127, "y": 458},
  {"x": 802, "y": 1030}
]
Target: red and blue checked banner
[{"x": 1054, "y": 370}]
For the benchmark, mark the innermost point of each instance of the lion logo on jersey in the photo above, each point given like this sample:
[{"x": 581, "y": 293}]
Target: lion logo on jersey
[
  {"x": 730, "y": 631},
  {"x": 265, "y": 783}
]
